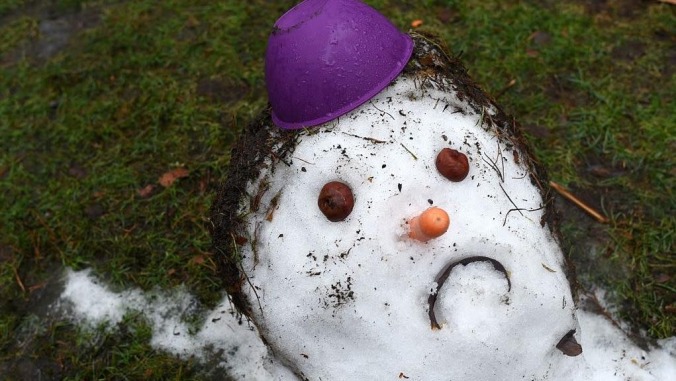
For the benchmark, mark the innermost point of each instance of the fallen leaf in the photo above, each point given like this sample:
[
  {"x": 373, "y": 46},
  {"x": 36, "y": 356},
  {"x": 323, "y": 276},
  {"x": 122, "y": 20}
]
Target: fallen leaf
[
  {"x": 146, "y": 191},
  {"x": 673, "y": 2},
  {"x": 169, "y": 177},
  {"x": 416, "y": 23}
]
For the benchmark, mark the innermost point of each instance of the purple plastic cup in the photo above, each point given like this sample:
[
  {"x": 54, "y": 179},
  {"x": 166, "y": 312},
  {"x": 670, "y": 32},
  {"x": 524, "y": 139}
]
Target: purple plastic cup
[{"x": 327, "y": 57}]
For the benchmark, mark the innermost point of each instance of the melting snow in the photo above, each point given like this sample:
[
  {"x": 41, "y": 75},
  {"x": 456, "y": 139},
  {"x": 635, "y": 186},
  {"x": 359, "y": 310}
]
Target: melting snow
[
  {"x": 609, "y": 353},
  {"x": 221, "y": 334}
]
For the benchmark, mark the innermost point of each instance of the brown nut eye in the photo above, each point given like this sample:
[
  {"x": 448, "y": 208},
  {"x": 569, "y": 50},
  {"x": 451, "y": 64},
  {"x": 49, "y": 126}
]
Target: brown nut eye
[
  {"x": 452, "y": 164},
  {"x": 336, "y": 201}
]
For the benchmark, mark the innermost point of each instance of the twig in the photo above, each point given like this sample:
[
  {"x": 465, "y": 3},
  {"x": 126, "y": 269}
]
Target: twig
[
  {"x": 276, "y": 156},
  {"x": 519, "y": 210},
  {"x": 273, "y": 206},
  {"x": 551, "y": 270},
  {"x": 372, "y": 140},
  {"x": 494, "y": 164},
  {"x": 504, "y": 89},
  {"x": 570, "y": 197},
  {"x": 18, "y": 279},
  {"x": 481, "y": 120},
  {"x": 409, "y": 151},
  {"x": 246, "y": 277},
  {"x": 510, "y": 200},
  {"x": 304, "y": 161},
  {"x": 384, "y": 112}
]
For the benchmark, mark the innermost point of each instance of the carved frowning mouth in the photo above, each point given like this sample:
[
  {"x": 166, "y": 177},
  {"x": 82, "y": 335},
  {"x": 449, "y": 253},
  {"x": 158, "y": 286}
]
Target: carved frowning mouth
[
  {"x": 567, "y": 345},
  {"x": 446, "y": 271}
]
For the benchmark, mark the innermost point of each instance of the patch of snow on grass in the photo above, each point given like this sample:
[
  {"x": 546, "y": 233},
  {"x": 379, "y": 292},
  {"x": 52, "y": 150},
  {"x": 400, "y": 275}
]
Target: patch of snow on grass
[
  {"x": 609, "y": 355},
  {"x": 95, "y": 303},
  {"x": 221, "y": 334},
  {"x": 612, "y": 356}
]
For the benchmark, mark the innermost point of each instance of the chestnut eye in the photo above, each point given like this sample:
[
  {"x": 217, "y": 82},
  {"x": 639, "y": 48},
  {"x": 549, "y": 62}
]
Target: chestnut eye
[
  {"x": 336, "y": 201},
  {"x": 452, "y": 164}
]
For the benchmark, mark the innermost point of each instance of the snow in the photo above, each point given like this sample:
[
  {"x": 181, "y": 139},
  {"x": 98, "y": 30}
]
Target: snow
[
  {"x": 96, "y": 304},
  {"x": 222, "y": 335},
  {"x": 608, "y": 353},
  {"x": 471, "y": 293},
  {"x": 612, "y": 356}
]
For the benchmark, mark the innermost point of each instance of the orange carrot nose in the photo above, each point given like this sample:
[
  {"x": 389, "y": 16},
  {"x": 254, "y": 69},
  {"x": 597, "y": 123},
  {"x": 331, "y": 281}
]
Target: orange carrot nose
[{"x": 431, "y": 223}]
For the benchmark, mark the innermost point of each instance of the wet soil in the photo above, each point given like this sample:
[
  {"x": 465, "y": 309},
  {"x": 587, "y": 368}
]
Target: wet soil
[
  {"x": 31, "y": 338},
  {"x": 56, "y": 26},
  {"x": 586, "y": 239},
  {"x": 221, "y": 91}
]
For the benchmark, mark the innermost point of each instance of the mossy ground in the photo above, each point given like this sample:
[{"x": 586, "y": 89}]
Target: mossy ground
[{"x": 99, "y": 99}]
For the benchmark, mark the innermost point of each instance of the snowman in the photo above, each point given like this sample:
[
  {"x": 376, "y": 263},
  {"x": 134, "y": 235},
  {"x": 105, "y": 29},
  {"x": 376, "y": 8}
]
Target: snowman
[{"x": 385, "y": 220}]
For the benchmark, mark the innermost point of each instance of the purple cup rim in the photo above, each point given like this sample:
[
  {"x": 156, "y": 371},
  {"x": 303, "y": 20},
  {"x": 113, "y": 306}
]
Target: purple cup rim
[{"x": 357, "y": 102}]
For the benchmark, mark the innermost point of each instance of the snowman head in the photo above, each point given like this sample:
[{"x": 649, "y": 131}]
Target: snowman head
[{"x": 411, "y": 237}]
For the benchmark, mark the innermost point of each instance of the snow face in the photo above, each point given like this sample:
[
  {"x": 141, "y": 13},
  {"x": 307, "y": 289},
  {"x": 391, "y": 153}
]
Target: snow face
[{"x": 351, "y": 299}]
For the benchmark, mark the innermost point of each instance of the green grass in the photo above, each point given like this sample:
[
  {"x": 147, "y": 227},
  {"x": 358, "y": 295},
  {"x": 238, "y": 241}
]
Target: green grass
[
  {"x": 16, "y": 31},
  {"x": 8, "y": 5},
  {"x": 83, "y": 130}
]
